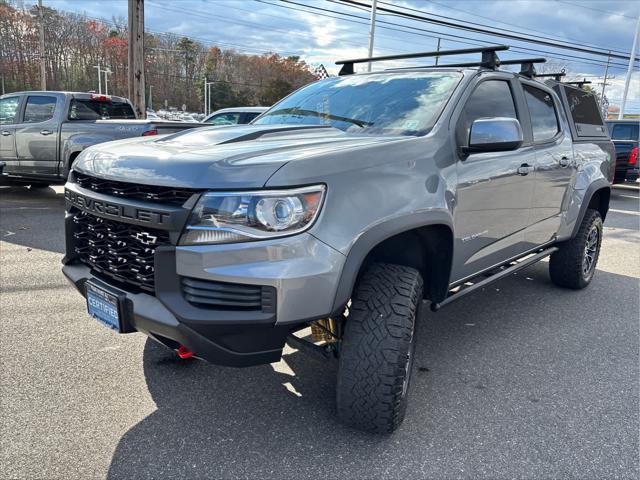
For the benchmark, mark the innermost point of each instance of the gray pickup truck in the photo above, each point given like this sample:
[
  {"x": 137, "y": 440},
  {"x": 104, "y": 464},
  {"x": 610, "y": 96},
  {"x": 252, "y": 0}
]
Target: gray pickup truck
[
  {"x": 341, "y": 208},
  {"x": 41, "y": 133}
]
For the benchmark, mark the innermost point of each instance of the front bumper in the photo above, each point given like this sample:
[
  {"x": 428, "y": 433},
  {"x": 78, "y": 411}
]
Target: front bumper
[{"x": 303, "y": 270}]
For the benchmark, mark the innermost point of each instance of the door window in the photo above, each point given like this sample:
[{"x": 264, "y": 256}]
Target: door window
[
  {"x": 491, "y": 98},
  {"x": 544, "y": 119},
  {"x": 9, "y": 110},
  {"x": 250, "y": 116},
  {"x": 39, "y": 109},
  {"x": 225, "y": 119}
]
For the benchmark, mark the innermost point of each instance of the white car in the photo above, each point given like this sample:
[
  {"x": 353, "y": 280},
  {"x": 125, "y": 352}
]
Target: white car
[{"x": 234, "y": 116}]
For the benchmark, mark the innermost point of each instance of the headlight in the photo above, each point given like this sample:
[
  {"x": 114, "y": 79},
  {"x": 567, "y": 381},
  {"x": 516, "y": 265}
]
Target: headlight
[{"x": 223, "y": 217}]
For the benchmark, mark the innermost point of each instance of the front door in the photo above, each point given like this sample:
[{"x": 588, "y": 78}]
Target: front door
[
  {"x": 495, "y": 189},
  {"x": 37, "y": 136}
]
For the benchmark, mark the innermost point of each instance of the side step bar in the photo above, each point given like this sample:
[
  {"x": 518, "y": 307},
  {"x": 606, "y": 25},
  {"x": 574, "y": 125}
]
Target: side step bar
[{"x": 496, "y": 276}]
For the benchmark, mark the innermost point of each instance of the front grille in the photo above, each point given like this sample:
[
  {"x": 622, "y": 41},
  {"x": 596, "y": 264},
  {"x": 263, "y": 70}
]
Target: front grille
[
  {"x": 229, "y": 296},
  {"x": 121, "y": 251},
  {"x": 174, "y": 196}
]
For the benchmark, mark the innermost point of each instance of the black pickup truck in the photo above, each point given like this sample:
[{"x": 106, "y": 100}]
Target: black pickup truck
[
  {"x": 625, "y": 135},
  {"x": 41, "y": 133}
]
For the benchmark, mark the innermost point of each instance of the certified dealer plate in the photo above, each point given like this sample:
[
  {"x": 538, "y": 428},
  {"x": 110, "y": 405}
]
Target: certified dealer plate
[{"x": 103, "y": 306}]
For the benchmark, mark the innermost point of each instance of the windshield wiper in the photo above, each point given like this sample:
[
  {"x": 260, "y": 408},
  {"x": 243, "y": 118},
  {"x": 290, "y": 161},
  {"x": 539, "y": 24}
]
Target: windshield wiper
[{"x": 313, "y": 113}]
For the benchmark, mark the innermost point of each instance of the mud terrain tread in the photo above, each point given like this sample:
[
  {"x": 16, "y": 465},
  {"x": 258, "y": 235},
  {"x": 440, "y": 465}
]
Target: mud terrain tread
[
  {"x": 565, "y": 265},
  {"x": 378, "y": 335}
]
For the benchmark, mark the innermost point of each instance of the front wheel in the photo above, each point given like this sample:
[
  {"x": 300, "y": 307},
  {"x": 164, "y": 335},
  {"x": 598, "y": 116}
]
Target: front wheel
[
  {"x": 378, "y": 348},
  {"x": 574, "y": 264}
]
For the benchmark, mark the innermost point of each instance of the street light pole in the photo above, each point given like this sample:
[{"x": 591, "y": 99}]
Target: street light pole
[
  {"x": 99, "y": 78},
  {"x": 632, "y": 61},
  {"x": 372, "y": 30},
  {"x": 106, "y": 72}
]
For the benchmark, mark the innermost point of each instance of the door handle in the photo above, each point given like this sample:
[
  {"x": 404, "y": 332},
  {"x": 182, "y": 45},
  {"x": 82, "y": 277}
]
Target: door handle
[
  {"x": 525, "y": 169},
  {"x": 5, "y": 133},
  {"x": 565, "y": 162},
  {"x": 45, "y": 132}
]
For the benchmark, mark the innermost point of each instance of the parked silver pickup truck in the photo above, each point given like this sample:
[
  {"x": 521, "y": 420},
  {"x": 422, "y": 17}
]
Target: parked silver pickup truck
[{"x": 41, "y": 133}]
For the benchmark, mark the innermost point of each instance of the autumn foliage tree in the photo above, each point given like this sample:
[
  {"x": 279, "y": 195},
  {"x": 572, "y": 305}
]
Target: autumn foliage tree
[{"x": 175, "y": 66}]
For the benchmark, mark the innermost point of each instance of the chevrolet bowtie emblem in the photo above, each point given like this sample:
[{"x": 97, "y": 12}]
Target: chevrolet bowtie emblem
[{"x": 146, "y": 239}]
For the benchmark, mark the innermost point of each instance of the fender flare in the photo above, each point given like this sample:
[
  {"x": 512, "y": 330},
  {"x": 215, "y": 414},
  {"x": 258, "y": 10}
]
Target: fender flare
[
  {"x": 597, "y": 185},
  {"x": 380, "y": 232}
]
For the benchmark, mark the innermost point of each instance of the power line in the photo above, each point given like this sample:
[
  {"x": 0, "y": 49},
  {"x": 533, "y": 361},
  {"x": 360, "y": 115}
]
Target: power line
[
  {"x": 596, "y": 9},
  {"x": 436, "y": 34},
  {"x": 444, "y": 5},
  {"x": 484, "y": 31}
]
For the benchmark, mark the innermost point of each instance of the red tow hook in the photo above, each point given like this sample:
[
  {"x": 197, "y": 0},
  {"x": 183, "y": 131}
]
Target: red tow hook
[{"x": 184, "y": 353}]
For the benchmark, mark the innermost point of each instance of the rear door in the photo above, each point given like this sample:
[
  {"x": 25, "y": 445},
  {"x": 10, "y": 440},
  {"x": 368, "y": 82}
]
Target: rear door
[
  {"x": 493, "y": 198},
  {"x": 9, "y": 108},
  {"x": 37, "y": 135},
  {"x": 555, "y": 164}
]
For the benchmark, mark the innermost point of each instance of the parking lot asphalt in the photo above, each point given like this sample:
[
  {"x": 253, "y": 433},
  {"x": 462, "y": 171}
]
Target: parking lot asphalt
[{"x": 522, "y": 380}]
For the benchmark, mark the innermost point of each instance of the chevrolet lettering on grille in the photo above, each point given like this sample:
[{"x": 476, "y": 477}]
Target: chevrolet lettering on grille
[{"x": 115, "y": 210}]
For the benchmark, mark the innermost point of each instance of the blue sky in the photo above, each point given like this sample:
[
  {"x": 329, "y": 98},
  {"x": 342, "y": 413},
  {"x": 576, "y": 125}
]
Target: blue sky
[{"x": 258, "y": 26}]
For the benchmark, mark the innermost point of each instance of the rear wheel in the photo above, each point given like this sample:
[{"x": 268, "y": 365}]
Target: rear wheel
[
  {"x": 378, "y": 346},
  {"x": 574, "y": 265}
]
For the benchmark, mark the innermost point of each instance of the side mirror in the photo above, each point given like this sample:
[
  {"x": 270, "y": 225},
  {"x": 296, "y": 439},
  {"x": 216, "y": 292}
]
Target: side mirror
[{"x": 496, "y": 134}]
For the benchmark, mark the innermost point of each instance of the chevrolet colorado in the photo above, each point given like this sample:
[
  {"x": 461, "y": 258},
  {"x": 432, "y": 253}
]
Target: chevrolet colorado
[{"x": 341, "y": 208}]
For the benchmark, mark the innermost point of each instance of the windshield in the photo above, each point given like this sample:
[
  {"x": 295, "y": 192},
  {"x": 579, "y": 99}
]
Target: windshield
[
  {"x": 400, "y": 103},
  {"x": 99, "y": 110}
]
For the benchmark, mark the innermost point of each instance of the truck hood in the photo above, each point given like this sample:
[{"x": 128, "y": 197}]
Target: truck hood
[{"x": 242, "y": 156}]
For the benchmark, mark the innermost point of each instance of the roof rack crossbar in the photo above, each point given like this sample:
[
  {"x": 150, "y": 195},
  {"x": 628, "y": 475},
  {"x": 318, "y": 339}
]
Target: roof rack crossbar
[
  {"x": 556, "y": 76},
  {"x": 527, "y": 67},
  {"x": 489, "y": 57},
  {"x": 578, "y": 83}
]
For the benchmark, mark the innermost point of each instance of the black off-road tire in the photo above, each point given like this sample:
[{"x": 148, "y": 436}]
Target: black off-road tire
[
  {"x": 567, "y": 266},
  {"x": 377, "y": 351}
]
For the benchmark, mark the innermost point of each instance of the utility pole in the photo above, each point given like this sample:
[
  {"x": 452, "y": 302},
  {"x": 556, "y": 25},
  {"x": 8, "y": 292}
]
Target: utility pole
[
  {"x": 136, "y": 57},
  {"x": 632, "y": 61},
  {"x": 372, "y": 30},
  {"x": 43, "y": 67},
  {"x": 437, "y": 50},
  {"x": 106, "y": 72},
  {"x": 99, "y": 78},
  {"x": 604, "y": 82},
  {"x": 150, "y": 97}
]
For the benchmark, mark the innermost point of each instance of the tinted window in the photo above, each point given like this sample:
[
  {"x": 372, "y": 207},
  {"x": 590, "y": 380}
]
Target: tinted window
[
  {"x": 250, "y": 116},
  {"x": 224, "y": 119},
  {"x": 383, "y": 103},
  {"x": 544, "y": 120},
  {"x": 95, "y": 110},
  {"x": 490, "y": 99},
  {"x": 624, "y": 131},
  {"x": 583, "y": 107},
  {"x": 8, "y": 110},
  {"x": 39, "y": 109}
]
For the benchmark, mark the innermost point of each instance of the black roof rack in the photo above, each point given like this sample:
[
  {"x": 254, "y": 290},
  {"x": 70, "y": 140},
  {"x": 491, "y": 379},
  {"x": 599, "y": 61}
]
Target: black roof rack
[
  {"x": 489, "y": 58},
  {"x": 527, "y": 67},
  {"x": 578, "y": 83},
  {"x": 557, "y": 76}
]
